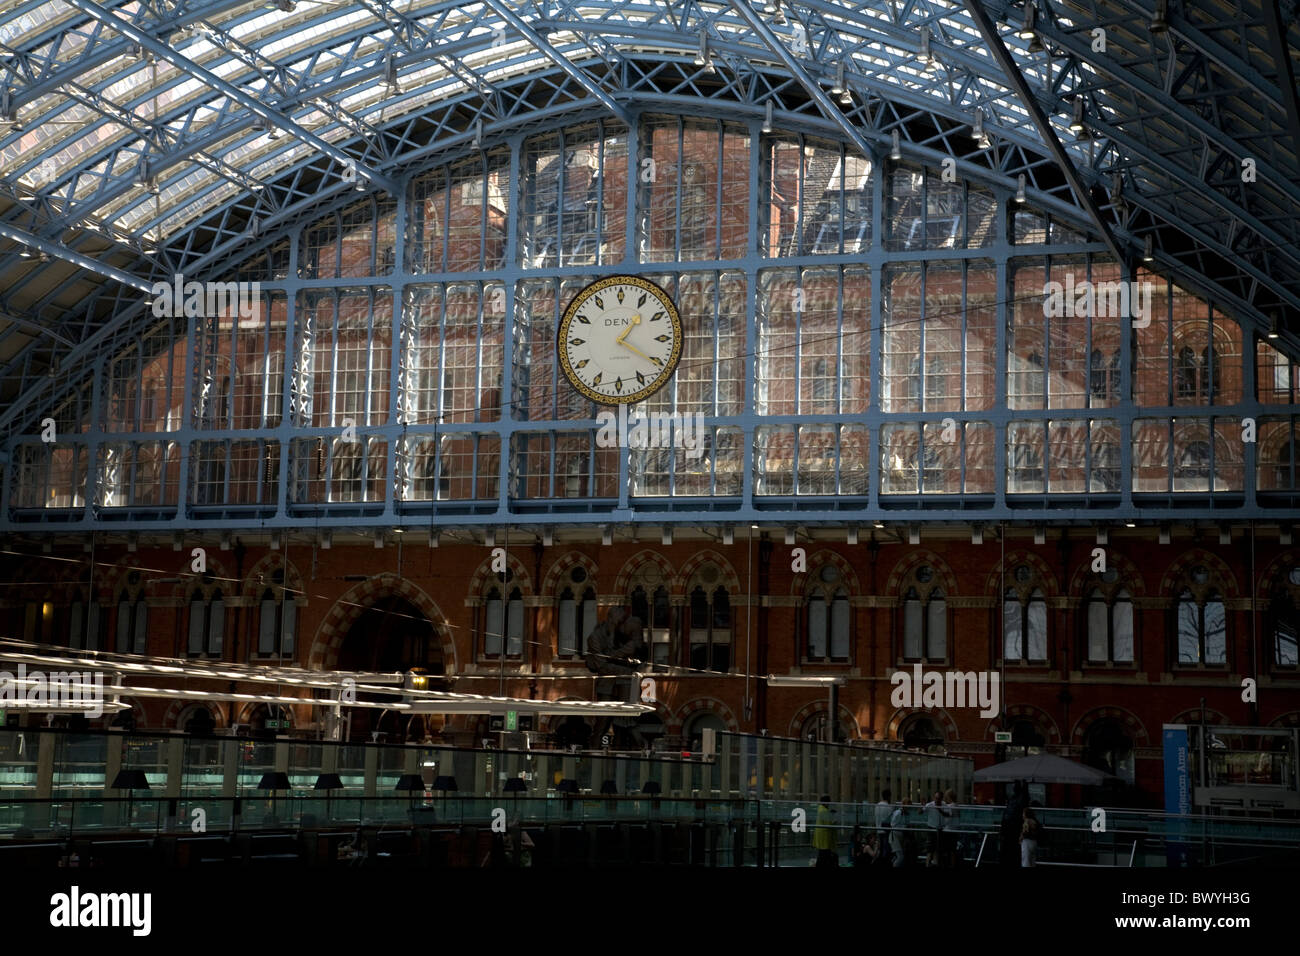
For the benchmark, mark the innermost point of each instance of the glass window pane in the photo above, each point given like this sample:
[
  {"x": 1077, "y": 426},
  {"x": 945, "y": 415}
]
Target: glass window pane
[
  {"x": 1098, "y": 639},
  {"x": 493, "y": 626},
  {"x": 937, "y": 627},
  {"x": 1037, "y": 627},
  {"x": 912, "y": 628},
  {"x": 817, "y": 628},
  {"x": 840, "y": 628},
  {"x": 1189, "y": 638},
  {"x": 1216, "y": 632},
  {"x": 1011, "y": 637},
  {"x": 1122, "y": 626},
  {"x": 266, "y": 629},
  {"x": 566, "y": 624}
]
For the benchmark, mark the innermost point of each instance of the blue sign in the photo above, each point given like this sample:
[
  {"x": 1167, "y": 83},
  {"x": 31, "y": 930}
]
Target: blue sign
[{"x": 1178, "y": 789}]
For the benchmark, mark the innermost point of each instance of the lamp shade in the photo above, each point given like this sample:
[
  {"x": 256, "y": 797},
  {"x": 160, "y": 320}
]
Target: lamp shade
[
  {"x": 130, "y": 780},
  {"x": 515, "y": 785},
  {"x": 567, "y": 785},
  {"x": 328, "y": 781},
  {"x": 277, "y": 780},
  {"x": 446, "y": 784},
  {"x": 409, "y": 783},
  {"x": 608, "y": 786},
  {"x": 651, "y": 786}
]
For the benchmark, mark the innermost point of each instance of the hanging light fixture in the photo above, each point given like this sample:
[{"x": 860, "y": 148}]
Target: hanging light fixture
[
  {"x": 1026, "y": 31},
  {"x": 1020, "y": 188},
  {"x": 896, "y": 147},
  {"x": 837, "y": 87},
  {"x": 1076, "y": 123},
  {"x": 927, "y": 55},
  {"x": 977, "y": 131},
  {"x": 767, "y": 117},
  {"x": 1159, "y": 19},
  {"x": 1273, "y": 323},
  {"x": 1148, "y": 252}
]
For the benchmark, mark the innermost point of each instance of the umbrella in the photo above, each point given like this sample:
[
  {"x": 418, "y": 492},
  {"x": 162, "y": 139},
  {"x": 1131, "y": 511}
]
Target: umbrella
[{"x": 1043, "y": 768}]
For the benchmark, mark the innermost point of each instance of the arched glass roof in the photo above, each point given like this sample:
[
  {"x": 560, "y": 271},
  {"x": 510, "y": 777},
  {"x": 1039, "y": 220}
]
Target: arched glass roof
[{"x": 138, "y": 140}]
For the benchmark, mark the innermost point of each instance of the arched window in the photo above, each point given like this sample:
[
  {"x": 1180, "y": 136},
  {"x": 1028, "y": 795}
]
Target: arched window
[
  {"x": 650, "y": 604},
  {"x": 277, "y": 624},
  {"x": 132, "y": 624},
  {"x": 710, "y": 629},
  {"x": 83, "y": 630},
  {"x": 575, "y": 619},
  {"x": 503, "y": 618},
  {"x": 1284, "y": 621},
  {"x": 1186, "y": 374},
  {"x": 1110, "y": 628},
  {"x": 925, "y": 617},
  {"x": 1024, "y": 619},
  {"x": 920, "y": 732},
  {"x": 207, "y": 624},
  {"x": 826, "y": 620},
  {"x": 1202, "y": 628},
  {"x": 1107, "y": 746}
]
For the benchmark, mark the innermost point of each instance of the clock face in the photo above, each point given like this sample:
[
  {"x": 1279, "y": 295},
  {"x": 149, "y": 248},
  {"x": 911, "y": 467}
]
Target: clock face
[{"x": 620, "y": 340}]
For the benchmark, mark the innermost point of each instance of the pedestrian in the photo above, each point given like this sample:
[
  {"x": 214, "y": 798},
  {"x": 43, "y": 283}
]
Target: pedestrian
[
  {"x": 1029, "y": 839},
  {"x": 897, "y": 834},
  {"x": 950, "y": 834},
  {"x": 824, "y": 834},
  {"x": 862, "y": 848},
  {"x": 1013, "y": 818},
  {"x": 934, "y": 819}
]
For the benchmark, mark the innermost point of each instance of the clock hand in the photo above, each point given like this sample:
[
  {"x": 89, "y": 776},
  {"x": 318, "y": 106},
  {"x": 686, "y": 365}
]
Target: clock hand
[
  {"x": 636, "y": 320},
  {"x": 629, "y": 345}
]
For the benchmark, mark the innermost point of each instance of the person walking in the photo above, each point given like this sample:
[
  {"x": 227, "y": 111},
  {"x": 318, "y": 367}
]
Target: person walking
[
  {"x": 949, "y": 847},
  {"x": 824, "y": 834},
  {"x": 1013, "y": 818},
  {"x": 897, "y": 834},
  {"x": 1029, "y": 839}
]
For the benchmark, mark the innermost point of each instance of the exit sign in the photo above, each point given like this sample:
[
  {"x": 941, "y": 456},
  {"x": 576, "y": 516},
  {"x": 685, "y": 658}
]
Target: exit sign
[
  {"x": 1002, "y": 736},
  {"x": 284, "y": 725},
  {"x": 512, "y": 720}
]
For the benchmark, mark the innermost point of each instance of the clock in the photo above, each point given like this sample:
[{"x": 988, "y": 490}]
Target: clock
[{"x": 620, "y": 340}]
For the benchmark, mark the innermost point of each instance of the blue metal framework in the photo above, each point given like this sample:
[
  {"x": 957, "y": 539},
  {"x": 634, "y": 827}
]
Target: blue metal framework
[{"x": 209, "y": 139}]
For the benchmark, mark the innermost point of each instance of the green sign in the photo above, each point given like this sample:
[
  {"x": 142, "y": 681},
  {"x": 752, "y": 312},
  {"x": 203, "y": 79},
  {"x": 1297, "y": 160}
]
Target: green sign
[
  {"x": 512, "y": 720},
  {"x": 1001, "y": 736},
  {"x": 277, "y": 725}
]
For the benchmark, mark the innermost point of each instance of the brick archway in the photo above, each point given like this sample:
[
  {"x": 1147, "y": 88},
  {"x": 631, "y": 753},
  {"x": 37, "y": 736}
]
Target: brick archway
[
  {"x": 358, "y": 599},
  {"x": 1129, "y": 721},
  {"x": 710, "y": 704},
  {"x": 941, "y": 716},
  {"x": 171, "y": 719},
  {"x": 1041, "y": 719},
  {"x": 915, "y": 559},
  {"x": 726, "y": 573},
  {"x": 809, "y": 710}
]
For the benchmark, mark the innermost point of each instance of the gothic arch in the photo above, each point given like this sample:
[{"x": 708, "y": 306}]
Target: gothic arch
[
  {"x": 1274, "y": 574},
  {"x": 634, "y": 564},
  {"x": 171, "y": 718},
  {"x": 1130, "y": 577},
  {"x": 1183, "y": 564},
  {"x": 729, "y": 579},
  {"x": 801, "y": 582},
  {"x": 1192, "y": 715},
  {"x": 993, "y": 585},
  {"x": 484, "y": 574},
  {"x": 352, "y": 603},
  {"x": 561, "y": 567},
  {"x": 267, "y": 566},
  {"x": 1125, "y": 717},
  {"x": 915, "y": 559}
]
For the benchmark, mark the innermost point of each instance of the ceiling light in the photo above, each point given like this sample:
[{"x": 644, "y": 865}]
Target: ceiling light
[
  {"x": 390, "y": 74},
  {"x": 1159, "y": 23},
  {"x": 767, "y": 118},
  {"x": 9, "y": 110},
  {"x": 1273, "y": 323},
  {"x": 702, "y": 54},
  {"x": 927, "y": 56},
  {"x": 1026, "y": 31},
  {"x": 977, "y": 131},
  {"x": 1020, "y": 188},
  {"x": 846, "y": 98},
  {"x": 284, "y": 5},
  {"x": 1148, "y": 252},
  {"x": 1076, "y": 124},
  {"x": 837, "y": 87},
  {"x": 770, "y": 7},
  {"x": 896, "y": 147}
]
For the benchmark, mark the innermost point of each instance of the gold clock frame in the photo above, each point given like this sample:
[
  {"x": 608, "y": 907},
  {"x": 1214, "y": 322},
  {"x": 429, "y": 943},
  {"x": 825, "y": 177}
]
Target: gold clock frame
[{"x": 580, "y": 299}]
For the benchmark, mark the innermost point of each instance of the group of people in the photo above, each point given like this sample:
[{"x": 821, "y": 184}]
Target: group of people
[{"x": 894, "y": 842}]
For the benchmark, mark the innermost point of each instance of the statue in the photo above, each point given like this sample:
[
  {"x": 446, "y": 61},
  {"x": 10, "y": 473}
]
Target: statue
[{"x": 614, "y": 643}]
